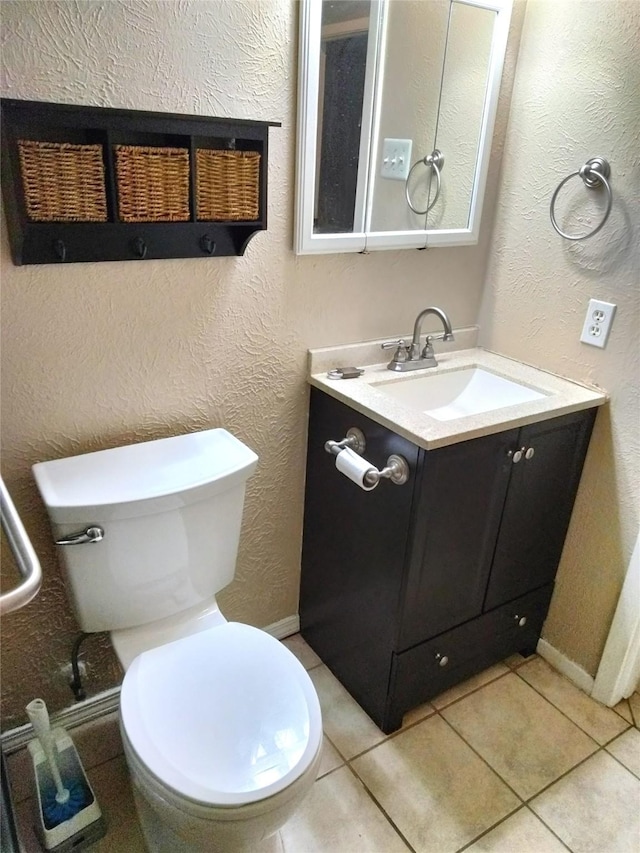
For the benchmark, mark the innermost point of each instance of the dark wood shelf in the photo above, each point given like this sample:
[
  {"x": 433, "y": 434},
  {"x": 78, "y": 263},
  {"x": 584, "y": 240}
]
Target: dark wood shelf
[{"x": 35, "y": 242}]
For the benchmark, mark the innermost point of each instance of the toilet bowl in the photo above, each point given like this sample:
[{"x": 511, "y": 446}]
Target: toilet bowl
[
  {"x": 222, "y": 734},
  {"x": 220, "y": 723}
]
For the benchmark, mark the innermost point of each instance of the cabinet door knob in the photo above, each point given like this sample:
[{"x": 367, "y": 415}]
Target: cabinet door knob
[
  {"x": 521, "y": 620},
  {"x": 443, "y": 660},
  {"x": 517, "y": 455},
  {"x": 529, "y": 453}
]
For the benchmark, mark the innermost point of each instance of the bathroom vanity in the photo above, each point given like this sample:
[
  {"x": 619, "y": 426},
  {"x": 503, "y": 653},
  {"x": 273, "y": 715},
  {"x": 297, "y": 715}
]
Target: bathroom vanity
[{"x": 409, "y": 589}]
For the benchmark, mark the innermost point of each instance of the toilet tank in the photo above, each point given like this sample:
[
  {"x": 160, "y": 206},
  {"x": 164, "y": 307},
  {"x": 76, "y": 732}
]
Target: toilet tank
[{"x": 171, "y": 511}]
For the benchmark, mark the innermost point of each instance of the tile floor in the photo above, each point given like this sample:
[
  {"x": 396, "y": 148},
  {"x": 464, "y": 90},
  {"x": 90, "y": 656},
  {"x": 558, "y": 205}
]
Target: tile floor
[{"x": 515, "y": 760}]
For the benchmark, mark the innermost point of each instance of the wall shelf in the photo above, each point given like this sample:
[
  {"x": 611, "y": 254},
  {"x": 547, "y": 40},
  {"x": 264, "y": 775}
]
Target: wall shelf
[{"x": 45, "y": 183}]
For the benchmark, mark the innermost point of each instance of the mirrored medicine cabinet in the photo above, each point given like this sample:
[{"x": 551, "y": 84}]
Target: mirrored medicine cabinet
[{"x": 396, "y": 108}]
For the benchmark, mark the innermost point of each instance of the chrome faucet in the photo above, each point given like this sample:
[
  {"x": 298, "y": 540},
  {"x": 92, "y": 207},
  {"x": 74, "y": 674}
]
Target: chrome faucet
[{"x": 409, "y": 356}]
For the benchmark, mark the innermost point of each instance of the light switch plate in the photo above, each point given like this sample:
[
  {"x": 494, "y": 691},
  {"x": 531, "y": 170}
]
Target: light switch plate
[
  {"x": 597, "y": 323},
  {"x": 396, "y": 159}
]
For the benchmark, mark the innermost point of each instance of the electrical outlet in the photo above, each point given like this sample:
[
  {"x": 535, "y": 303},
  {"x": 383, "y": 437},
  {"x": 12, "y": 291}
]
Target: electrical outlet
[
  {"x": 396, "y": 159},
  {"x": 597, "y": 323}
]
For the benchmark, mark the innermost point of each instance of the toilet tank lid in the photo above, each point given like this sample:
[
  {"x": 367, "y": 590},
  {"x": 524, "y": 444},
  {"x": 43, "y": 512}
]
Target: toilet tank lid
[{"x": 149, "y": 469}]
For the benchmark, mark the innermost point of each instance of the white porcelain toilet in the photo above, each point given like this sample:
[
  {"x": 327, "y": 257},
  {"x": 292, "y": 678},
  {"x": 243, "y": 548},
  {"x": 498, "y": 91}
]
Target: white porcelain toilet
[{"x": 221, "y": 724}]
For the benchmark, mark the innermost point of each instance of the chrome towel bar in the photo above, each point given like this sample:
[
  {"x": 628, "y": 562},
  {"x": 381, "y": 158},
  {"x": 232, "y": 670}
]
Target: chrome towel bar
[{"x": 435, "y": 160}]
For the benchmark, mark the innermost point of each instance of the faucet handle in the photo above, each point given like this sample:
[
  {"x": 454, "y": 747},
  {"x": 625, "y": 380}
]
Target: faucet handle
[
  {"x": 402, "y": 350},
  {"x": 446, "y": 336}
]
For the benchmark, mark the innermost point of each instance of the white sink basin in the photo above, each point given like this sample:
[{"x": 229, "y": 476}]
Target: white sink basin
[{"x": 457, "y": 393}]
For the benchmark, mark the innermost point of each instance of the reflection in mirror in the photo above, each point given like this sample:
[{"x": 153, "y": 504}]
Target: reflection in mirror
[
  {"x": 464, "y": 85},
  {"x": 343, "y": 64},
  {"x": 414, "y": 54},
  {"x": 384, "y": 85}
]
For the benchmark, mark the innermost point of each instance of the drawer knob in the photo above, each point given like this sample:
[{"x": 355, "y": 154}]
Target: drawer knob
[
  {"x": 521, "y": 620},
  {"x": 517, "y": 456},
  {"x": 530, "y": 453},
  {"x": 443, "y": 660}
]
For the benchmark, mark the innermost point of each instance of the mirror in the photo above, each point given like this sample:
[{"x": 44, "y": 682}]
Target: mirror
[{"x": 396, "y": 107}]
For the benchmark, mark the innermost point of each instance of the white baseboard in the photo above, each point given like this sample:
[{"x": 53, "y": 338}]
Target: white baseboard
[
  {"x": 567, "y": 667},
  {"x": 68, "y": 718},
  {"x": 284, "y": 628},
  {"x": 109, "y": 700}
]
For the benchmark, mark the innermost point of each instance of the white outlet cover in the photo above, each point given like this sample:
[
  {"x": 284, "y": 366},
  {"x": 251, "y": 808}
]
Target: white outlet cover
[
  {"x": 396, "y": 159},
  {"x": 597, "y": 323}
]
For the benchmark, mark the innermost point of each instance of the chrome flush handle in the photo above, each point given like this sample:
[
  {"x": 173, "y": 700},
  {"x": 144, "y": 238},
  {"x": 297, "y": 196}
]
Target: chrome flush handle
[{"x": 89, "y": 534}]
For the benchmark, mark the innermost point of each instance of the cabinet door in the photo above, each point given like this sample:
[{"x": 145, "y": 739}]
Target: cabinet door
[
  {"x": 456, "y": 522},
  {"x": 353, "y": 554},
  {"x": 538, "y": 508}
]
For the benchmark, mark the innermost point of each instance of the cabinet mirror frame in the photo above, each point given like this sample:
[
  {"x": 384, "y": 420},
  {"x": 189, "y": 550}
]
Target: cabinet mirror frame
[{"x": 306, "y": 240}]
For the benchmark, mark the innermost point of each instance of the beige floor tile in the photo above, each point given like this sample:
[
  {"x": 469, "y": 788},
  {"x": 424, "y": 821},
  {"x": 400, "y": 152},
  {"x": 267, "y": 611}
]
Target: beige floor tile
[
  {"x": 302, "y": 650},
  {"x": 113, "y": 791},
  {"x": 634, "y": 704},
  {"x": 338, "y": 816},
  {"x": 522, "y": 736},
  {"x": 626, "y": 749},
  {"x": 434, "y": 788},
  {"x": 624, "y": 710},
  {"x": 598, "y": 721},
  {"x": 522, "y": 832},
  {"x": 594, "y": 809},
  {"x": 344, "y": 721},
  {"x": 331, "y": 758},
  {"x": 469, "y": 685},
  {"x": 514, "y": 661}
]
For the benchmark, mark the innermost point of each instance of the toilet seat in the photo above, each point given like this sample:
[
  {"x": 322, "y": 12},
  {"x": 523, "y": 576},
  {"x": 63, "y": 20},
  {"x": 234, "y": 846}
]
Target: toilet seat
[{"x": 224, "y": 717}]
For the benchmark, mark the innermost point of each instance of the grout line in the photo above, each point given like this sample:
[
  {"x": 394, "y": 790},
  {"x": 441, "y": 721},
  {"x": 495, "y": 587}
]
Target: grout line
[
  {"x": 474, "y": 690},
  {"x": 622, "y": 764},
  {"x": 566, "y": 715},
  {"x": 483, "y": 759},
  {"x": 564, "y": 775},
  {"x": 380, "y": 808},
  {"x": 523, "y": 807},
  {"x": 622, "y": 715},
  {"x": 434, "y": 711}
]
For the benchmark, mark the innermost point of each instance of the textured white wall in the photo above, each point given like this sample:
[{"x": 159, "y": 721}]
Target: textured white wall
[
  {"x": 95, "y": 355},
  {"x": 575, "y": 97}
]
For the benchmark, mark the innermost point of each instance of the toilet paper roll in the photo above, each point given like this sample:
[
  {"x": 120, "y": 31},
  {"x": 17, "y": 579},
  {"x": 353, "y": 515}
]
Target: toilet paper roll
[{"x": 354, "y": 467}]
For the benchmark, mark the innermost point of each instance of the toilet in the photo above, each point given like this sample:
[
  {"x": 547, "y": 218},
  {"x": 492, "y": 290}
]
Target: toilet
[{"x": 221, "y": 724}]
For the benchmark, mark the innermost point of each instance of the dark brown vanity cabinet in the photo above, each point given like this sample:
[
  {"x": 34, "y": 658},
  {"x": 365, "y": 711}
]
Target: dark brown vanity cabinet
[{"x": 407, "y": 590}]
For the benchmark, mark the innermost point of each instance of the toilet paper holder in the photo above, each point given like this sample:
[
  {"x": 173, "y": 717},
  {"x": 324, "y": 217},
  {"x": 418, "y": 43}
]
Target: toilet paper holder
[{"x": 396, "y": 469}]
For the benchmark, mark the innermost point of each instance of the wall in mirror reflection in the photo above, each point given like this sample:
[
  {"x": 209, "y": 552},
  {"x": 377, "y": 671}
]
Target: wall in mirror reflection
[{"x": 432, "y": 91}]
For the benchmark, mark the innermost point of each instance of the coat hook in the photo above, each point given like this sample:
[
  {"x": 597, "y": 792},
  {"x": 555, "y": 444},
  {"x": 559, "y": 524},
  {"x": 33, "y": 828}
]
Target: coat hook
[
  {"x": 139, "y": 248},
  {"x": 60, "y": 250},
  {"x": 207, "y": 244}
]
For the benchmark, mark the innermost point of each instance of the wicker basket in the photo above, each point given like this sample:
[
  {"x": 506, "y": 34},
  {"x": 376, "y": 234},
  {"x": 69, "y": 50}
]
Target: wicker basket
[
  {"x": 63, "y": 182},
  {"x": 153, "y": 183},
  {"x": 227, "y": 185}
]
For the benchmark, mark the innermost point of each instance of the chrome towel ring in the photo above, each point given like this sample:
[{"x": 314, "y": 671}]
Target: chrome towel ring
[
  {"x": 436, "y": 161},
  {"x": 594, "y": 173}
]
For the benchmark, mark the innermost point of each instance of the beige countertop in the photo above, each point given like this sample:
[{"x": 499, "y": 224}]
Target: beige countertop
[{"x": 562, "y": 396}]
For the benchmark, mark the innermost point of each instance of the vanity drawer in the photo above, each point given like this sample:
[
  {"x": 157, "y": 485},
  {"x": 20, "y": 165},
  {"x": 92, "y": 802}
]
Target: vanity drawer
[{"x": 431, "y": 667}]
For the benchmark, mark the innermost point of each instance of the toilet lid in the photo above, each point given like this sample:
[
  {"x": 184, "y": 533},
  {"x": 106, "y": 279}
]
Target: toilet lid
[{"x": 224, "y": 717}]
